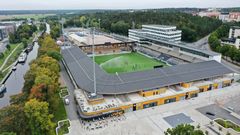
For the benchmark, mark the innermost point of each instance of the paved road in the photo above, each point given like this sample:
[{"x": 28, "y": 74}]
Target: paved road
[
  {"x": 203, "y": 45},
  {"x": 71, "y": 108},
  {"x": 48, "y": 28},
  {"x": 231, "y": 66}
]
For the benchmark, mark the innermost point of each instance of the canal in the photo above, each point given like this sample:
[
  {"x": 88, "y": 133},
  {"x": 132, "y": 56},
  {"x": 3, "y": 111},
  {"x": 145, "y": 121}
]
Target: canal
[{"x": 15, "y": 82}]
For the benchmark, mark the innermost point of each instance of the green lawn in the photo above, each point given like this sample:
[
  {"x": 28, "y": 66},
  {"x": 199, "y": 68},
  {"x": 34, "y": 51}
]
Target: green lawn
[
  {"x": 7, "y": 52},
  {"x": 60, "y": 112},
  {"x": 14, "y": 56},
  {"x": 128, "y": 62}
]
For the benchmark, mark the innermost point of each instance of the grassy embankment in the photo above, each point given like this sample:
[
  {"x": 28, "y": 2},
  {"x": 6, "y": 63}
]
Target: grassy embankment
[{"x": 17, "y": 48}]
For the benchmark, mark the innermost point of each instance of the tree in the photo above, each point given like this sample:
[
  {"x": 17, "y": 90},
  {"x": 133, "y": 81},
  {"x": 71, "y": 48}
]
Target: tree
[
  {"x": 237, "y": 56},
  {"x": 189, "y": 34},
  {"x": 25, "y": 42},
  {"x": 83, "y": 21},
  {"x": 12, "y": 38},
  {"x": 8, "y": 46},
  {"x": 55, "y": 54},
  {"x": 38, "y": 117},
  {"x": 232, "y": 52},
  {"x": 224, "y": 50},
  {"x": 55, "y": 29},
  {"x": 194, "y": 27},
  {"x": 24, "y": 31},
  {"x": 38, "y": 92},
  {"x": 7, "y": 133},
  {"x": 183, "y": 129},
  {"x": 12, "y": 119},
  {"x": 42, "y": 27},
  {"x": 120, "y": 27},
  {"x": 1, "y": 74},
  {"x": 1, "y": 55}
]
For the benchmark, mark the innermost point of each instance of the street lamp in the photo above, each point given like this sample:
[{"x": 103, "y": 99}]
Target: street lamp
[{"x": 94, "y": 72}]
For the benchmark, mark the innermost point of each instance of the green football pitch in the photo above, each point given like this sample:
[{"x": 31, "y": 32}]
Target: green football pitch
[{"x": 127, "y": 62}]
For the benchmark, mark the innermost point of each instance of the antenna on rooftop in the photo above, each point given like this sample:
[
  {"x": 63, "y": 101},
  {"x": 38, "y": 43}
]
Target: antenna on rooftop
[{"x": 94, "y": 72}]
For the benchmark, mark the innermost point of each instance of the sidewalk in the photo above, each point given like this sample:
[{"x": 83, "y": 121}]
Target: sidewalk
[{"x": 150, "y": 121}]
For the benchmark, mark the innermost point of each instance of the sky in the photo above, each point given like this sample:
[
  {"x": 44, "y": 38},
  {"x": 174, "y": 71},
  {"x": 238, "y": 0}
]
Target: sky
[{"x": 111, "y": 4}]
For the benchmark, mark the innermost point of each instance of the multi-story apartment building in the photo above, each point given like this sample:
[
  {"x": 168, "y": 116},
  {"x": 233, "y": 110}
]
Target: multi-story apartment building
[
  {"x": 2, "y": 32},
  {"x": 234, "y": 16},
  {"x": 6, "y": 28},
  {"x": 234, "y": 32},
  {"x": 155, "y": 32}
]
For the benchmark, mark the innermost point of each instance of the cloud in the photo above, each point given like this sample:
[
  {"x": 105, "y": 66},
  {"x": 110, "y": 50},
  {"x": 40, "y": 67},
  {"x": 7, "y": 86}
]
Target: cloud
[{"x": 112, "y": 4}]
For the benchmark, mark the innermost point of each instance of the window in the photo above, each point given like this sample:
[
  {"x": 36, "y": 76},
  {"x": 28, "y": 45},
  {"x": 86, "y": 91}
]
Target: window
[
  {"x": 169, "y": 100},
  {"x": 194, "y": 95}
]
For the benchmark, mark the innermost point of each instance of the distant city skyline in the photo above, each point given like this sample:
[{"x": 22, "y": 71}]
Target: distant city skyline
[{"x": 109, "y": 4}]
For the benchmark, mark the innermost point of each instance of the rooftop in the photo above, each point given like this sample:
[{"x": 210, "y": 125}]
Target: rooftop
[
  {"x": 235, "y": 27},
  {"x": 98, "y": 39},
  {"x": 159, "y": 26}
]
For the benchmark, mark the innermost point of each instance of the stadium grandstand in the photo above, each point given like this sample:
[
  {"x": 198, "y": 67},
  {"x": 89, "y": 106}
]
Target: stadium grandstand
[{"x": 142, "y": 89}]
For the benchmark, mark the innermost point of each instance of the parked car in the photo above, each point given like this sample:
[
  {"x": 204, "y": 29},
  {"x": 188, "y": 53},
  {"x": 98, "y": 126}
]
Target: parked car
[
  {"x": 67, "y": 102},
  {"x": 2, "y": 88},
  {"x": 210, "y": 113},
  {"x": 14, "y": 68},
  {"x": 22, "y": 58}
]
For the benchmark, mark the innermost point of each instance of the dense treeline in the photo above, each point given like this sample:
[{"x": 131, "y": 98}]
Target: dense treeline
[
  {"x": 31, "y": 112},
  {"x": 184, "y": 129},
  {"x": 42, "y": 27},
  {"x": 226, "y": 50},
  {"x": 23, "y": 33},
  {"x": 193, "y": 27},
  {"x": 55, "y": 29}
]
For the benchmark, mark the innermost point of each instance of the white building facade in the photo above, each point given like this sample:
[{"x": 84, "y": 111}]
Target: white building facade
[
  {"x": 234, "y": 32},
  {"x": 155, "y": 32}
]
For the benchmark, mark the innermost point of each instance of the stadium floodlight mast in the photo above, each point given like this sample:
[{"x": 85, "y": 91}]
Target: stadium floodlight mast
[{"x": 94, "y": 72}]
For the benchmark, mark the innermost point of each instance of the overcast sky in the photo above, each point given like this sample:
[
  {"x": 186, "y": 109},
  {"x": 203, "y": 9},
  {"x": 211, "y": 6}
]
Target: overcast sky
[{"x": 112, "y": 4}]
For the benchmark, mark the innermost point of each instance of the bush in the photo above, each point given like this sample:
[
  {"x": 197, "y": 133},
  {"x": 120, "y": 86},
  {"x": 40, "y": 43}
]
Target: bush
[
  {"x": 1, "y": 55},
  {"x": 55, "y": 54},
  {"x": 8, "y": 46},
  {"x": 1, "y": 74}
]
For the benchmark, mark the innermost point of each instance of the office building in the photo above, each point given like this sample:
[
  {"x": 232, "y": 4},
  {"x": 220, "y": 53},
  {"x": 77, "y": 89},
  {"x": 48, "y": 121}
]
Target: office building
[
  {"x": 155, "y": 32},
  {"x": 234, "y": 32}
]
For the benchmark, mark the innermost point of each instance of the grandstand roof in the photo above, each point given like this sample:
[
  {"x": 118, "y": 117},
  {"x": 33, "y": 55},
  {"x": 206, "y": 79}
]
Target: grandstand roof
[{"x": 81, "y": 68}]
